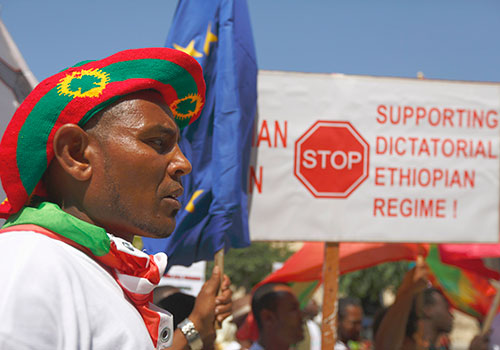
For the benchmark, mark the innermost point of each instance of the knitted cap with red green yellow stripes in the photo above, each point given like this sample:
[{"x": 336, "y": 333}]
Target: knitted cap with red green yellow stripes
[{"x": 79, "y": 92}]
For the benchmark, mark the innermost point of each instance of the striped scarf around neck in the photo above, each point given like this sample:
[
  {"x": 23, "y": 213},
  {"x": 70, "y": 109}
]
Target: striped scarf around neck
[{"x": 136, "y": 272}]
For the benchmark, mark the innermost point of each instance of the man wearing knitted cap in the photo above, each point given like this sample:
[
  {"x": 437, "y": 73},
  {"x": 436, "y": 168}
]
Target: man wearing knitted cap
[{"x": 89, "y": 160}]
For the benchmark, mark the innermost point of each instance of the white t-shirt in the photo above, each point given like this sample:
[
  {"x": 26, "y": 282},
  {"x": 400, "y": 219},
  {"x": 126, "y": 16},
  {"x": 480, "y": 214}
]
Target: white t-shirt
[
  {"x": 314, "y": 334},
  {"x": 53, "y": 296}
]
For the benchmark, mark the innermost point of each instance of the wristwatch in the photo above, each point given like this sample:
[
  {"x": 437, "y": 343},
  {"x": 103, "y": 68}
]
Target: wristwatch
[{"x": 193, "y": 337}]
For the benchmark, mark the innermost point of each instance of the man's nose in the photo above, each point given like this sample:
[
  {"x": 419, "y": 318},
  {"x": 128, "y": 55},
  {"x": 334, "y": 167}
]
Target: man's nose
[{"x": 179, "y": 165}]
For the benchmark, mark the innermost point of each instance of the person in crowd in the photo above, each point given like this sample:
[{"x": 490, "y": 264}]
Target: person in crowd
[
  {"x": 89, "y": 160},
  {"x": 350, "y": 317},
  {"x": 278, "y": 317},
  {"x": 377, "y": 319},
  {"x": 242, "y": 307},
  {"x": 430, "y": 319},
  {"x": 312, "y": 331},
  {"x": 420, "y": 318},
  {"x": 179, "y": 304}
]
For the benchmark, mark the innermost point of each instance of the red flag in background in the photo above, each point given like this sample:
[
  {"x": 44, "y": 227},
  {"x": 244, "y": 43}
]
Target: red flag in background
[
  {"x": 307, "y": 263},
  {"x": 470, "y": 257},
  {"x": 356, "y": 256},
  {"x": 467, "y": 290}
]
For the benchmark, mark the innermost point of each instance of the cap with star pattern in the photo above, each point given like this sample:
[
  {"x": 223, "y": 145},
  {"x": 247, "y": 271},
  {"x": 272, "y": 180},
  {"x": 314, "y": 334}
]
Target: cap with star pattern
[{"x": 76, "y": 94}]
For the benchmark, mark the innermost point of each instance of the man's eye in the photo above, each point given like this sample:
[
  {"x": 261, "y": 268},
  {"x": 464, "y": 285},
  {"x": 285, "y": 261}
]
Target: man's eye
[{"x": 157, "y": 142}]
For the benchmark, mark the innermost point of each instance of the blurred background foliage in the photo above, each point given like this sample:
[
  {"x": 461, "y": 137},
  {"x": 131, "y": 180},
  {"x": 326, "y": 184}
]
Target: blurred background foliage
[
  {"x": 248, "y": 266},
  {"x": 369, "y": 284}
]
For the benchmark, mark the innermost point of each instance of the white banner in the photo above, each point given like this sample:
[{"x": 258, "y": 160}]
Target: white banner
[
  {"x": 351, "y": 158},
  {"x": 188, "y": 279}
]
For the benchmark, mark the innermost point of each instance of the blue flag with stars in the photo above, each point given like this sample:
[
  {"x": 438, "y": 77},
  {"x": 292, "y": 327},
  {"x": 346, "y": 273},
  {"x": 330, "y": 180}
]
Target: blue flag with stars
[{"x": 215, "y": 214}]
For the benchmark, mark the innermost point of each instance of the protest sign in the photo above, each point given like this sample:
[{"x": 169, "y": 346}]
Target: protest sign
[{"x": 353, "y": 158}]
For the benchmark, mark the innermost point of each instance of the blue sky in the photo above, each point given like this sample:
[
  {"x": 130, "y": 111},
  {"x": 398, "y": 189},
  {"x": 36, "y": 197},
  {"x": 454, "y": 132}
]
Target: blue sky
[{"x": 445, "y": 39}]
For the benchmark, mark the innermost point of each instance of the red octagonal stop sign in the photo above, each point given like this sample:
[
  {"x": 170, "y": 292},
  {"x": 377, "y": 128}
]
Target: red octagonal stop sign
[{"x": 331, "y": 159}]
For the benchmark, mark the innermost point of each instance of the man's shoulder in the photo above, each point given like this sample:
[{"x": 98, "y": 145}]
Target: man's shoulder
[
  {"x": 29, "y": 241},
  {"x": 34, "y": 253}
]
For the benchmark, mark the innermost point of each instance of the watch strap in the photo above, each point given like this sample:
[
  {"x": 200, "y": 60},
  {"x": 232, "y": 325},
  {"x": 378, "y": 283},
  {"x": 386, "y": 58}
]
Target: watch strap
[{"x": 193, "y": 337}]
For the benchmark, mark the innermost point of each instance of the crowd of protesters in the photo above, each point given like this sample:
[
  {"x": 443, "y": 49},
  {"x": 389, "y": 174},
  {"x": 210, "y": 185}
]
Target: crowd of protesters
[{"x": 419, "y": 319}]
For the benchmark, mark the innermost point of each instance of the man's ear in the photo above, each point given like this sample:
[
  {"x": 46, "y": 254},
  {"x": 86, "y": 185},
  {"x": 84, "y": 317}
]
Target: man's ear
[{"x": 71, "y": 147}]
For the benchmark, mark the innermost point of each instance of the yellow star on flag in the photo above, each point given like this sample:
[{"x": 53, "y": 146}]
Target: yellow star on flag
[
  {"x": 190, "y": 205},
  {"x": 190, "y": 50},
  {"x": 209, "y": 38}
]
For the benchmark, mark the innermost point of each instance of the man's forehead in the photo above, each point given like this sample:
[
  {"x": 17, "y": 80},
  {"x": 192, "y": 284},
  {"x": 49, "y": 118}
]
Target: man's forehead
[
  {"x": 142, "y": 109},
  {"x": 438, "y": 297},
  {"x": 285, "y": 294},
  {"x": 283, "y": 288},
  {"x": 354, "y": 310},
  {"x": 151, "y": 96}
]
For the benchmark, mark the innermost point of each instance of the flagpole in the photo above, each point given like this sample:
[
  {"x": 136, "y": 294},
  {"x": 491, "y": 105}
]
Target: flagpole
[
  {"x": 219, "y": 261},
  {"x": 330, "y": 289}
]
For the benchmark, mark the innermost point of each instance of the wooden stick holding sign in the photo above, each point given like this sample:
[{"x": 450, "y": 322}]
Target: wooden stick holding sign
[
  {"x": 330, "y": 289},
  {"x": 219, "y": 261}
]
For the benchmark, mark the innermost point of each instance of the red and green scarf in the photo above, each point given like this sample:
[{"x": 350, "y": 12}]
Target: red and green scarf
[{"x": 136, "y": 272}]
